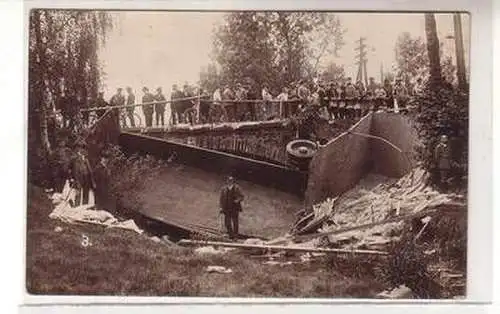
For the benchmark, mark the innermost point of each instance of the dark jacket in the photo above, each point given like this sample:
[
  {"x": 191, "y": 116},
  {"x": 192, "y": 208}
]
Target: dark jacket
[
  {"x": 230, "y": 199},
  {"x": 161, "y": 106},
  {"x": 147, "y": 98},
  {"x": 81, "y": 171}
]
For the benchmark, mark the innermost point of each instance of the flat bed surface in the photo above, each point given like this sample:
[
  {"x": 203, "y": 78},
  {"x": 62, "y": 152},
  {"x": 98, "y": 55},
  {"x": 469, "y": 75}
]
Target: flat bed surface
[{"x": 186, "y": 195}]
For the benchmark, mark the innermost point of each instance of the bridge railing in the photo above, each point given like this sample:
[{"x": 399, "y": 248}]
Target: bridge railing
[{"x": 200, "y": 110}]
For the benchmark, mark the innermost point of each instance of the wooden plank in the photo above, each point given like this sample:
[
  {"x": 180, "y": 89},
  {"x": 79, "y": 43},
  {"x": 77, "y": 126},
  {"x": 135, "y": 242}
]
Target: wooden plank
[
  {"x": 454, "y": 207},
  {"x": 280, "y": 248}
]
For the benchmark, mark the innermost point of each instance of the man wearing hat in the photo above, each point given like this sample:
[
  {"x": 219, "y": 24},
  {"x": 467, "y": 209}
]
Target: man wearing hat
[
  {"x": 175, "y": 112},
  {"x": 117, "y": 100},
  {"x": 101, "y": 103},
  {"x": 130, "y": 110},
  {"x": 230, "y": 206},
  {"x": 81, "y": 174},
  {"x": 401, "y": 94},
  {"x": 160, "y": 107},
  {"x": 442, "y": 159},
  {"x": 149, "y": 108},
  {"x": 227, "y": 98},
  {"x": 241, "y": 109}
]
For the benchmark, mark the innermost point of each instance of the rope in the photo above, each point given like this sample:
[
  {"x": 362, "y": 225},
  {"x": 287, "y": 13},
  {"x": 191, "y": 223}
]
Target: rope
[{"x": 223, "y": 102}]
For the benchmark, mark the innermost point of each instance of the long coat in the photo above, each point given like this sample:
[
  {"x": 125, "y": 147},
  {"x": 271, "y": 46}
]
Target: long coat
[
  {"x": 442, "y": 156},
  {"x": 230, "y": 199},
  {"x": 82, "y": 172}
]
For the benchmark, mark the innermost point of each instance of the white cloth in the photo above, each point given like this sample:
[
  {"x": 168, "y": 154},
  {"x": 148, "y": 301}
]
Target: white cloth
[{"x": 85, "y": 213}]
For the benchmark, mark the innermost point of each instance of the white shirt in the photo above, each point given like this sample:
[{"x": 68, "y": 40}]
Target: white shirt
[
  {"x": 217, "y": 96},
  {"x": 266, "y": 95},
  {"x": 282, "y": 97}
]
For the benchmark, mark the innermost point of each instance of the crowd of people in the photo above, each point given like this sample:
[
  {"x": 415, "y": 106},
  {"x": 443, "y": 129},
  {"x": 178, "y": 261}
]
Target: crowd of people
[{"x": 342, "y": 99}]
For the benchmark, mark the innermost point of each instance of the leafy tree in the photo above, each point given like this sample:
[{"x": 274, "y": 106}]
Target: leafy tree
[
  {"x": 63, "y": 47},
  {"x": 210, "y": 78},
  {"x": 442, "y": 109},
  {"x": 412, "y": 59},
  {"x": 275, "y": 48},
  {"x": 333, "y": 72}
]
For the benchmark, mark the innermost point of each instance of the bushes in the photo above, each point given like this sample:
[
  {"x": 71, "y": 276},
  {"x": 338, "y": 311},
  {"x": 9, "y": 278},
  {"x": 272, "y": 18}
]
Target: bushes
[
  {"x": 442, "y": 110},
  {"x": 126, "y": 173}
]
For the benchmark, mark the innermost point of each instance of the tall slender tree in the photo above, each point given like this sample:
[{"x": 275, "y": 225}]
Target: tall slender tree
[{"x": 433, "y": 50}]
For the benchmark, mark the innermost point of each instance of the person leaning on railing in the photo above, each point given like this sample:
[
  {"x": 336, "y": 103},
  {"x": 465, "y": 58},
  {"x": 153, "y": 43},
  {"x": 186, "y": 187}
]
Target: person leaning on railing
[
  {"x": 160, "y": 107},
  {"x": 130, "y": 109},
  {"x": 148, "y": 109}
]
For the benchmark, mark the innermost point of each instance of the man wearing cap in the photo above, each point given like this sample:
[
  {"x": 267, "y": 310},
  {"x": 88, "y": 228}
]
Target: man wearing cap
[
  {"x": 228, "y": 97},
  {"x": 117, "y": 100},
  {"x": 130, "y": 110},
  {"x": 101, "y": 103},
  {"x": 241, "y": 109},
  {"x": 160, "y": 107},
  {"x": 149, "y": 108},
  {"x": 81, "y": 174},
  {"x": 401, "y": 94},
  {"x": 303, "y": 93},
  {"x": 175, "y": 105},
  {"x": 230, "y": 206},
  {"x": 442, "y": 159},
  {"x": 186, "y": 103}
]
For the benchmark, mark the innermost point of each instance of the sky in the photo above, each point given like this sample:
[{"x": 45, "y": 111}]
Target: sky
[{"x": 163, "y": 48}]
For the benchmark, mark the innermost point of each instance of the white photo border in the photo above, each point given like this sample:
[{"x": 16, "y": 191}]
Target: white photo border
[{"x": 480, "y": 222}]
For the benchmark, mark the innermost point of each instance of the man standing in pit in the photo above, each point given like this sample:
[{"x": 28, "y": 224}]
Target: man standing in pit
[
  {"x": 230, "y": 206},
  {"x": 148, "y": 109},
  {"x": 130, "y": 110},
  {"x": 160, "y": 107}
]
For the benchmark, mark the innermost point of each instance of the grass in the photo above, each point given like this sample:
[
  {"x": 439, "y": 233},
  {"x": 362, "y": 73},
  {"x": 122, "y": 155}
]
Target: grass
[{"x": 121, "y": 262}]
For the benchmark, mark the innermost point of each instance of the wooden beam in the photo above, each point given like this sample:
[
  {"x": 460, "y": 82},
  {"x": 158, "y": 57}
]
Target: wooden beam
[
  {"x": 279, "y": 247},
  {"x": 453, "y": 208}
]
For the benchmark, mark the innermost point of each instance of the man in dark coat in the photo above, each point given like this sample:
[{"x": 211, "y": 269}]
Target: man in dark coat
[
  {"x": 160, "y": 107},
  {"x": 148, "y": 109},
  {"x": 230, "y": 206},
  {"x": 81, "y": 174},
  {"x": 101, "y": 103},
  {"x": 130, "y": 110},
  {"x": 442, "y": 158},
  {"x": 117, "y": 100}
]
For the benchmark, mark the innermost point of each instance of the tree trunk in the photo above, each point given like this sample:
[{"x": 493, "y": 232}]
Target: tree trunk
[
  {"x": 433, "y": 50},
  {"x": 41, "y": 88},
  {"x": 459, "y": 49}
]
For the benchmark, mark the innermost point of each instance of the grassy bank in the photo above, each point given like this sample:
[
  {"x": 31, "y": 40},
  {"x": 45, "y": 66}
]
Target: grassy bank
[{"x": 120, "y": 262}]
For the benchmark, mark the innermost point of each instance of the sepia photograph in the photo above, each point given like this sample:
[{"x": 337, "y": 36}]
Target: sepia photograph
[{"x": 247, "y": 154}]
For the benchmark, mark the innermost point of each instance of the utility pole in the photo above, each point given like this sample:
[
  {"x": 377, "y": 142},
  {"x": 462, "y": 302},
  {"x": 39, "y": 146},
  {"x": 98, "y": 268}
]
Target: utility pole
[
  {"x": 362, "y": 60},
  {"x": 381, "y": 73},
  {"x": 459, "y": 50}
]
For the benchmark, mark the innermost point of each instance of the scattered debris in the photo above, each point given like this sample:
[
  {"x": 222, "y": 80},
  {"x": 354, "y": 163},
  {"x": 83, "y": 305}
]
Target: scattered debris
[
  {"x": 167, "y": 240},
  {"x": 218, "y": 269},
  {"x": 278, "y": 263},
  {"x": 401, "y": 292},
  {"x": 210, "y": 250},
  {"x": 155, "y": 239},
  {"x": 295, "y": 248}
]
